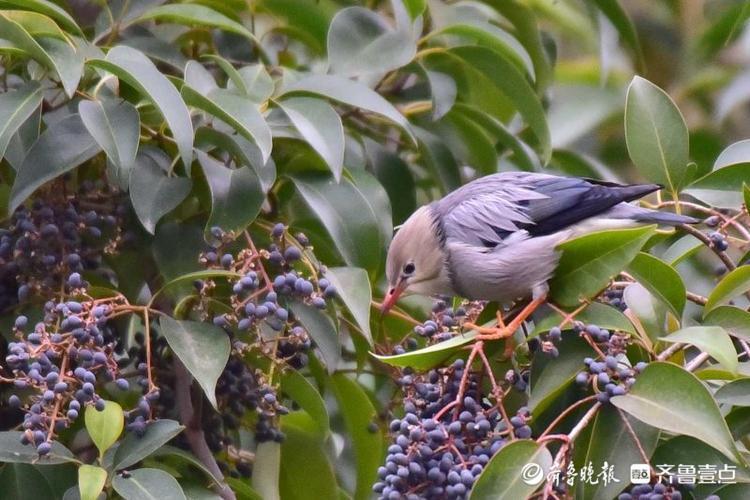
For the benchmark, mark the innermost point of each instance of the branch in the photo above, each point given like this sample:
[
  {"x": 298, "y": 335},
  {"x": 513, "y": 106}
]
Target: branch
[{"x": 193, "y": 430}]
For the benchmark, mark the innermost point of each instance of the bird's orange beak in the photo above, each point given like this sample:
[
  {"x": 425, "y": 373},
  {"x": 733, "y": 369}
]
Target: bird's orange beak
[{"x": 391, "y": 298}]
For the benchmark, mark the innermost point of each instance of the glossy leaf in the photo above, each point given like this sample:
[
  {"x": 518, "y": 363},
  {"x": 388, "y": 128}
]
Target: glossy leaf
[
  {"x": 306, "y": 471},
  {"x": 735, "y": 393},
  {"x": 306, "y": 395},
  {"x": 104, "y": 427},
  {"x": 322, "y": 331},
  {"x": 23, "y": 482},
  {"x": 62, "y": 147},
  {"x": 12, "y": 451},
  {"x": 115, "y": 126},
  {"x": 134, "y": 448},
  {"x": 351, "y": 93},
  {"x": 48, "y": 9},
  {"x": 153, "y": 193},
  {"x": 239, "y": 112},
  {"x": 236, "y": 194},
  {"x": 148, "y": 484},
  {"x": 265, "y": 478},
  {"x": 139, "y": 72},
  {"x": 661, "y": 280},
  {"x": 624, "y": 26},
  {"x": 54, "y": 54},
  {"x": 16, "y": 107},
  {"x": 443, "y": 91},
  {"x": 202, "y": 348},
  {"x": 506, "y": 77},
  {"x": 319, "y": 125},
  {"x": 550, "y": 376},
  {"x": 348, "y": 217},
  {"x": 504, "y": 478},
  {"x": 669, "y": 398},
  {"x": 609, "y": 440},
  {"x": 359, "y": 413},
  {"x": 590, "y": 261},
  {"x": 730, "y": 286},
  {"x": 711, "y": 339},
  {"x": 734, "y": 320},
  {"x": 195, "y": 14},
  {"x": 353, "y": 288},
  {"x": 257, "y": 83},
  {"x": 656, "y": 135},
  {"x": 738, "y": 152},
  {"x": 91, "y": 481},
  {"x": 722, "y": 188},
  {"x": 198, "y": 78},
  {"x": 595, "y": 313},
  {"x": 360, "y": 41}
]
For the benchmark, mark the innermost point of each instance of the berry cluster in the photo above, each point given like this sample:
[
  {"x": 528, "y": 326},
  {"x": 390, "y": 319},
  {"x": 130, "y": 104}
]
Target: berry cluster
[
  {"x": 444, "y": 324},
  {"x": 661, "y": 491},
  {"x": 58, "y": 365},
  {"x": 718, "y": 241},
  {"x": 44, "y": 244},
  {"x": 440, "y": 447}
]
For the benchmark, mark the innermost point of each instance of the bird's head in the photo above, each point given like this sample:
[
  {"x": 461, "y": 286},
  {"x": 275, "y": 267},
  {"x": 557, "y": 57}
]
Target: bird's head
[{"x": 416, "y": 260}]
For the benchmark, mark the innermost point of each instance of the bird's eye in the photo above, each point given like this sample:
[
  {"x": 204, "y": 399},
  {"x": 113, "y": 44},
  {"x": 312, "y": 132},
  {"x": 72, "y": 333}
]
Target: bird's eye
[{"x": 409, "y": 268}]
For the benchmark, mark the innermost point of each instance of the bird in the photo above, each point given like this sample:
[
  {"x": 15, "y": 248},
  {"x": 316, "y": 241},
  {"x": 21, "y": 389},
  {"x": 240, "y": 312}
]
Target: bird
[{"x": 496, "y": 237}]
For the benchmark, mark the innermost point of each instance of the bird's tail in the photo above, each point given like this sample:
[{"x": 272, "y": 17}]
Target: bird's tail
[{"x": 646, "y": 215}]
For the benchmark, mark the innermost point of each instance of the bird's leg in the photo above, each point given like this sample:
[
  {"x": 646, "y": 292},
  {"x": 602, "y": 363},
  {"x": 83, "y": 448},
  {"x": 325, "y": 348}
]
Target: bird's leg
[
  {"x": 507, "y": 331},
  {"x": 568, "y": 317}
]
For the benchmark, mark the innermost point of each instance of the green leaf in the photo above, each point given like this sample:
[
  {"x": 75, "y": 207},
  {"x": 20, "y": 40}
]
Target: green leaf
[
  {"x": 236, "y": 194},
  {"x": 91, "y": 481},
  {"x": 347, "y": 216},
  {"x": 511, "y": 82},
  {"x": 239, "y": 112},
  {"x": 257, "y": 84},
  {"x": 682, "y": 249},
  {"x": 12, "y": 451},
  {"x": 105, "y": 426},
  {"x": 361, "y": 42},
  {"x": 595, "y": 313},
  {"x": 415, "y": 7},
  {"x": 62, "y": 147},
  {"x": 320, "y": 126},
  {"x": 428, "y": 357},
  {"x": 669, "y": 398},
  {"x": 37, "y": 25},
  {"x": 16, "y": 107},
  {"x": 198, "y": 78},
  {"x": 322, "y": 331},
  {"x": 733, "y": 284},
  {"x": 48, "y": 9},
  {"x": 24, "y": 482},
  {"x": 135, "y": 448},
  {"x": 738, "y": 152},
  {"x": 154, "y": 194},
  {"x": 148, "y": 484},
  {"x": 505, "y": 476},
  {"x": 439, "y": 161},
  {"x": 624, "y": 26},
  {"x": 550, "y": 376},
  {"x": 202, "y": 348},
  {"x": 713, "y": 340},
  {"x": 265, "y": 478},
  {"x": 54, "y": 54},
  {"x": 735, "y": 393},
  {"x": 590, "y": 261},
  {"x": 351, "y": 93},
  {"x": 353, "y": 288},
  {"x": 609, "y": 440},
  {"x": 722, "y": 188},
  {"x": 116, "y": 127},
  {"x": 443, "y": 91},
  {"x": 306, "y": 471},
  {"x": 131, "y": 66},
  {"x": 182, "y": 456},
  {"x": 359, "y": 413},
  {"x": 198, "y": 15},
  {"x": 302, "y": 392},
  {"x": 656, "y": 135},
  {"x": 394, "y": 175},
  {"x": 660, "y": 279},
  {"x": 734, "y": 320}
]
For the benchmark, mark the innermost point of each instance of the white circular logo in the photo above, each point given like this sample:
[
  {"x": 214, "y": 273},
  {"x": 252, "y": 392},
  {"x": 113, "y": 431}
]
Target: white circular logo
[{"x": 532, "y": 474}]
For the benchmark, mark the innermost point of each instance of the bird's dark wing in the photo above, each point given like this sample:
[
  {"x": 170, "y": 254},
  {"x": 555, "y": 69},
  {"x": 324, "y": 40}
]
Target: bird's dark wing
[{"x": 486, "y": 211}]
